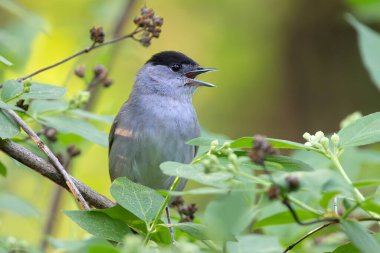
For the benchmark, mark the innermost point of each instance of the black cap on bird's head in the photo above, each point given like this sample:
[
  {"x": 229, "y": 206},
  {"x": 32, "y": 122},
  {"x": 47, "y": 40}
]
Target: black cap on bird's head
[{"x": 179, "y": 62}]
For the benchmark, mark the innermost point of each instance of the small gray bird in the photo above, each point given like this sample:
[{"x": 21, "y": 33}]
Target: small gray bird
[{"x": 157, "y": 120}]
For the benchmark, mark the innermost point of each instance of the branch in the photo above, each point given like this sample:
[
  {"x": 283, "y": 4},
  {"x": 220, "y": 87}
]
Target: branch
[
  {"x": 43, "y": 167},
  {"x": 53, "y": 159},
  {"x": 83, "y": 51},
  {"x": 291, "y": 246}
]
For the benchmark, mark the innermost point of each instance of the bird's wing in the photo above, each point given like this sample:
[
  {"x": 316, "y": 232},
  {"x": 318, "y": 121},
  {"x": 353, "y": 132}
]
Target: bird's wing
[{"x": 112, "y": 134}]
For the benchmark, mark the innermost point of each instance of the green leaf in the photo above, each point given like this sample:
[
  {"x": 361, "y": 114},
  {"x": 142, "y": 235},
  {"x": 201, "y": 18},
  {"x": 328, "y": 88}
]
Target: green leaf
[
  {"x": 3, "y": 170},
  {"x": 88, "y": 115},
  {"x": 118, "y": 212},
  {"x": 346, "y": 248},
  {"x": 369, "y": 46},
  {"x": 247, "y": 142},
  {"x": 327, "y": 197},
  {"x": 44, "y": 91},
  {"x": 284, "y": 217},
  {"x": 363, "y": 131},
  {"x": 8, "y": 106},
  {"x": 201, "y": 141},
  {"x": 76, "y": 126},
  {"x": 286, "y": 163},
  {"x": 360, "y": 236},
  {"x": 41, "y": 106},
  {"x": 8, "y": 127},
  {"x": 370, "y": 206},
  {"x": 216, "y": 179},
  {"x": 100, "y": 224},
  {"x": 76, "y": 246},
  {"x": 15, "y": 205},
  {"x": 5, "y": 61},
  {"x": 102, "y": 249},
  {"x": 198, "y": 231},
  {"x": 366, "y": 183},
  {"x": 198, "y": 191},
  {"x": 11, "y": 89},
  {"x": 136, "y": 198},
  {"x": 229, "y": 215},
  {"x": 255, "y": 243}
]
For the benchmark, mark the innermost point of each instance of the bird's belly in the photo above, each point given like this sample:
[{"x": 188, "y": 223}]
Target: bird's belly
[
  {"x": 149, "y": 142},
  {"x": 156, "y": 150}
]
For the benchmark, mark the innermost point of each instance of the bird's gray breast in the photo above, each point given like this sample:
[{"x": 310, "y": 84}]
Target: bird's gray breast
[{"x": 148, "y": 131}]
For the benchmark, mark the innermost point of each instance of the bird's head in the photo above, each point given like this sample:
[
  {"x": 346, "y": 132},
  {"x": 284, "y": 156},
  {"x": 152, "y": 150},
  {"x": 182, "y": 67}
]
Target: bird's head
[{"x": 170, "y": 73}]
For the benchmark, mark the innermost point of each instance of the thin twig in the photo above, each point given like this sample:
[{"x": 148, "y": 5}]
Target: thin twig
[
  {"x": 291, "y": 246},
  {"x": 305, "y": 223},
  {"x": 54, "y": 209},
  {"x": 83, "y": 51},
  {"x": 45, "y": 168},
  {"x": 53, "y": 159}
]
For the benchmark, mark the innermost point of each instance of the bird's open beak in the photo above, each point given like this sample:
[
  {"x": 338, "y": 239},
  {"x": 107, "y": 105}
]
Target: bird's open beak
[{"x": 194, "y": 73}]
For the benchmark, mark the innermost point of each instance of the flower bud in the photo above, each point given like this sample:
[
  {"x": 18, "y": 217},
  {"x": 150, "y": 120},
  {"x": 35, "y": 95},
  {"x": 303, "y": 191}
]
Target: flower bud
[
  {"x": 308, "y": 144},
  {"x": 214, "y": 143},
  {"x": 335, "y": 139},
  {"x": 26, "y": 89},
  {"x": 292, "y": 183},
  {"x": 306, "y": 136},
  {"x": 319, "y": 135},
  {"x": 27, "y": 83},
  {"x": 80, "y": 71},
  {"x": 325, "y": 142}
]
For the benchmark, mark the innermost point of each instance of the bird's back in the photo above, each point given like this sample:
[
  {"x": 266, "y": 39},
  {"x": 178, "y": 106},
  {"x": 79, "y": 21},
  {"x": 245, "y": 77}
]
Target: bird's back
[{"x": 149, "y": 130}]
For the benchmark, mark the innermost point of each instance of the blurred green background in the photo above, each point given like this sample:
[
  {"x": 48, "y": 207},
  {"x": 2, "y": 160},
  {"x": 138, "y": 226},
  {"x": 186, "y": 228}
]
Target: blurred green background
[{"x": 285, "y": 67}]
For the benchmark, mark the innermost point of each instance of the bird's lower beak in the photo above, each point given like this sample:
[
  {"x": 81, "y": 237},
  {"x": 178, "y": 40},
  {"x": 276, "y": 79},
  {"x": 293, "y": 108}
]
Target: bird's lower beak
[{"x": 194, "y": 73}]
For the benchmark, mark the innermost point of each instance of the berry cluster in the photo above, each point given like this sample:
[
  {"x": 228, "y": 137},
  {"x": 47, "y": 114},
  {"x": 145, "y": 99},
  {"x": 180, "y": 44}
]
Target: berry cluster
[
  {"x": 151, "y": 25},
  {"x": 185, "y": 212},
  {"x": 100, "y": 74},
  {"x": 260, "y": 149},
  {"x": 97, "y": 34}
]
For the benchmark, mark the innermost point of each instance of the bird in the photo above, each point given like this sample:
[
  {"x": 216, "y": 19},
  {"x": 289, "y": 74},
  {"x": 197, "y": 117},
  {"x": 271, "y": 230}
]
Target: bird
[{"x": 156, "y": 121}]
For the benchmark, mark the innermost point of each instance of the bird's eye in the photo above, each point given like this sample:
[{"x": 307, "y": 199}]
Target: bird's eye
[{"x": 176, "y": 67}]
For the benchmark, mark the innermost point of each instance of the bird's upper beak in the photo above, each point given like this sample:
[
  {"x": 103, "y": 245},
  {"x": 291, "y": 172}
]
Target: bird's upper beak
[{"x": 194, "y": 73}]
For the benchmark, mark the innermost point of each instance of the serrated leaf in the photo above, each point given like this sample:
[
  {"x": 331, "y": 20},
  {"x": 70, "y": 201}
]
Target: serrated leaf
[
  {"x": 100, "y": 224},
  {"x": 8, "y": 127},
  {"x": 75, "y": 126},
  {"x": 3, "y": 170},
  {"x": 44, "y": 91},
  {"x": 89, "y": 115},
  {"x": 284, "y": 217},
  {"x": 369, "y": 46},
  {"x": 11, "y": 89},
  {"x": 360, "y": 237},
  {"x": 363, "y": 131},
  {"x": 216, "y": 179},
  {"x": 136, "y": 198},
  {"x": 5, "y": 61},
  {"x": 286, "y": 163}
]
